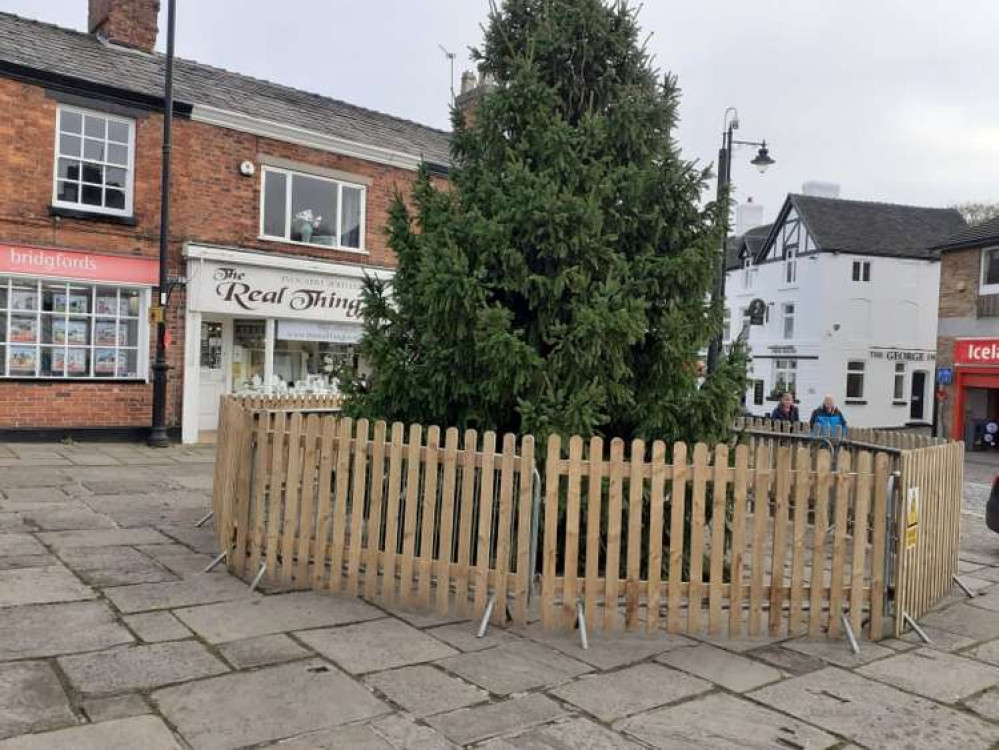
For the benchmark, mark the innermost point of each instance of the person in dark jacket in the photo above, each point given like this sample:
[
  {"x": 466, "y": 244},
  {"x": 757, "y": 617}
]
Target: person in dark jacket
[
  {"x": 828, "y": 419},
  {"x": 786, "y": 411}
]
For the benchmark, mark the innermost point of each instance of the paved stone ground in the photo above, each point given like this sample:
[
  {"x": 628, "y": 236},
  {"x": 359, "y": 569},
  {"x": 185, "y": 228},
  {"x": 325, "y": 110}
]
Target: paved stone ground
[{"x": 112, "y": 637}]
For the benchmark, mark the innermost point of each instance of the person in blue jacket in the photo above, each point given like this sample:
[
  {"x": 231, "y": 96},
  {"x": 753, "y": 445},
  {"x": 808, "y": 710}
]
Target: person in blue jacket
[
  {"x": 786, "y": 411},
  {"x": 828, "y": 419}
]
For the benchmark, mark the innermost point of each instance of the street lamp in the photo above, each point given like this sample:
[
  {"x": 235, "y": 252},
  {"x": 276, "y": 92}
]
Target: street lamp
[{"x": 762, "y": 162}]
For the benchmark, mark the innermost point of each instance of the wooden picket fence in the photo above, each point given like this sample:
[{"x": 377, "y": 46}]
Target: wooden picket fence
[
  {"x": 288, "y": 402},
  {"x": 772, "y": 534},
  {"x": 391, "y": 513}
]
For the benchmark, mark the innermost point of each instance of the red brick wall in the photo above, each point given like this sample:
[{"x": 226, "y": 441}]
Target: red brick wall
[
  {"x": 211, "y": 202},
  {"x": 130, "y": 23}
]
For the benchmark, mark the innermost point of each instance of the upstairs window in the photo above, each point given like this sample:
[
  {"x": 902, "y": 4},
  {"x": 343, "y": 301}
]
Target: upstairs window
[
  {"x": 94, "y": 162},
  {"x": 747, "y": 272},
  {"x": 727, "y": 325},
  {"x": 861, "y": 270},
  {"x": 855, "y": 379},
  {"x": 898, "y": 394},
  {"x": 788, "y": 320},
  {"x": 312, "y": 210},
  {"x": 990, "y": 270}
]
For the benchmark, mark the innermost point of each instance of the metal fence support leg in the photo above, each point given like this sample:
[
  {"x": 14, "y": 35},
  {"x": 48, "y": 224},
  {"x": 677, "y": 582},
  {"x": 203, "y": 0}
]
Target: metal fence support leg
[
  {"x": 216, "y": 561},
  {"x": 961, "y": 585},
  {"x": 204, "y": 519},
  {"x": 854, "y": 646},
  {"x": 484, "y": 623},
  {"x": 535, "y": 524},
  {"x": 584, "y": 642},
  {"x": 258, "y": 577},
  {"x": 915, "y": 626}
]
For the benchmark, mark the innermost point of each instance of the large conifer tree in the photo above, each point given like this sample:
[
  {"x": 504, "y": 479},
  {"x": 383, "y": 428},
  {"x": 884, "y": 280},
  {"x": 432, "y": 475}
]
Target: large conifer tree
[{"x": 559, "y": 283}]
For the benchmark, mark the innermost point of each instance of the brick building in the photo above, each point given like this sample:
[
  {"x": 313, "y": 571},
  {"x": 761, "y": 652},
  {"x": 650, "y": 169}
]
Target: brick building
[
  {"x": 968, "y": 333},
  {"x": 278, "y": 201}
]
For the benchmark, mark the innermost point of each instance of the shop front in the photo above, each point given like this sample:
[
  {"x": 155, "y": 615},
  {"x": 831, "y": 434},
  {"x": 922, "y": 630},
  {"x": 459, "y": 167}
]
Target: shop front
[
  {"x": 261, "y": 323},
  {"x": 976, "y": 391},
  {"x": 77, "y": 320}
]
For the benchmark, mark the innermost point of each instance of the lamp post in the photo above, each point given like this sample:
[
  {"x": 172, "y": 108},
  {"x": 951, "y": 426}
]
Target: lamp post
[
  {"x": 762, "y": 162},
  {"x": 158, "y": 435}
]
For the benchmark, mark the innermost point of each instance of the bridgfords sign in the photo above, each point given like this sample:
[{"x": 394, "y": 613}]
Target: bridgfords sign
[
  {"x": 976, "y": 352},
  {"x": 239, "y": 289}
]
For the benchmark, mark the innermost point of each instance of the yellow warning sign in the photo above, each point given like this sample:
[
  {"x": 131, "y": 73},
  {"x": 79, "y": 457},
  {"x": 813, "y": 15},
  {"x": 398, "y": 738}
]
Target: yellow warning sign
[
  {"x": 911, "y": 537},
  {"x": 912, "y": 506}
]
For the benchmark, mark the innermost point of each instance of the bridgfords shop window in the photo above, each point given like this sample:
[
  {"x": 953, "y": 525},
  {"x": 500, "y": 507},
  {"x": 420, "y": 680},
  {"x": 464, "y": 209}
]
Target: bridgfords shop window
[
  {"x": 312, "y": 210},
  {"x": 93, "y": 165},
  {"x": 53, "y": 329}
]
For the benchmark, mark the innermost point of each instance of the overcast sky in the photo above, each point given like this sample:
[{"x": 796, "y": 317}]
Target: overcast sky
[{"x": 895, "y": 100}]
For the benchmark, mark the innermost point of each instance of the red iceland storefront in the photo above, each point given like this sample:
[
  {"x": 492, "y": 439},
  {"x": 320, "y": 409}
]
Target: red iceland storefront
[{"x": 976, "y": 388}]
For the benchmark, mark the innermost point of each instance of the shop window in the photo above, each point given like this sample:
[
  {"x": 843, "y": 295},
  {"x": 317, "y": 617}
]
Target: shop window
[
  {"x": 311, "y": 365},
  {"x": 312, "y": 210},
  {"x": 788, "y": 320},
  {"x": 861, "y": 270},
  {"x": 855, "y": 379},
  {"x": 71, "y": 330},
  {"x": 785, "y": 376},
  {"x": 990, "y": 271},
  {"x": 94, "y": 162},
  {"x": 898, "y": 393}
]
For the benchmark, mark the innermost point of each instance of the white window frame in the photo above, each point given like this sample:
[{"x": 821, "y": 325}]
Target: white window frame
[
  {"x": 748, "y": 272},
  {"x": 789, "y": 369},
  {"x": 727, "y": 324},
  {"x": 746, "y": 322},
  {"x": 898, "y": 383},
  {"x": 142, "y": 346},
  {"x": 288, "y": 218},
  {"x": 856, "y": 367},
  {"x": 788, "y": 308},
  {"x": 984, "y": 288},
  {"x": 861, "y": 271},
  {"x": 129, "y": 169}
]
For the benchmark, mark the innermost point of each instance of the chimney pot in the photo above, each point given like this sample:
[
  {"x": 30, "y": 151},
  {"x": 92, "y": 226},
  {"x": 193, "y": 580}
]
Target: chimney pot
[
  {"x": 467, "y": 81},
  {"x": 129, "y": 23}
]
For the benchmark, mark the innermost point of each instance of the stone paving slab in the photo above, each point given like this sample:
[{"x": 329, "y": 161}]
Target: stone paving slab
[
  {"x": 723, "y": 722},
  {"x": 729, "y": 670},
  {"x": 404, "y": 734},
  {"x": 265, "y": 705},
  {"x": 114, "y": 566},
  {"x": 53, "y": 629},
  {"x": 875, "y": 715},
  {"x": 241, "y": 619},
  {"x": 178, "y": 559},
  {"x": 357, "y": 737},
  {"x": 943, "y": 640},
  {"x": 576, "y": 734},
  {"x": 468, "y": 725},
  {"x": 964, "y": 619},
  {"x": 139, "y": 667},
  {"x": 137, "y": 733},
  {"x": 102, "y": 538},
  {"x": 608, "y": 652},
  {"x": 202, "y": 589},
  {"x": 838, "y": 652},
  {"x": 786, "y": 660},
  {"x": 934, "y": 674},
  {"x": 32, "y": 699},
  {"x": 28, "y": 561},
  {"x": 116, "y": 707},
  {"x": 515, "y": 668},
  {"x": 462, "y": 636},
  {"x": 375, "y": 646},
  {"x": 153, "y": 627},
  {"x": 261, "y": 650},
  {"x": 61, "y": 519},
  {"x": 12, "y": 545},
  {"x": 986, "y": 704},
  {"x": 629, "y": 691},
  {"x": 424, "y": 690}
]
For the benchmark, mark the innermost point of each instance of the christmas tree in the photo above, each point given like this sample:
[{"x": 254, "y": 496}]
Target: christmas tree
[{"x": 560, "y": 282}]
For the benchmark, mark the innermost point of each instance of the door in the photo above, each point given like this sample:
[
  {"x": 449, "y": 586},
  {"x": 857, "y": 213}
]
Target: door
[
  {"x": 916, "y": 405},
  {"x": 212, "y": 375}
]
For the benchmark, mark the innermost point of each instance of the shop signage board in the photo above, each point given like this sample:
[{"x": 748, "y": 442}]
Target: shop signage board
[
  {"x": 309, "y": 330},
  {"x": 248, "y": 290},
  {"x": 903, "y": 355},
  {"x": 976, "y": 352},
  {"x": 54, "y": 263}
]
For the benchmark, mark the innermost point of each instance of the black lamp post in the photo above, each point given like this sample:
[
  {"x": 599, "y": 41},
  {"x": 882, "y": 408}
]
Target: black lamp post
[
  {"x": 762, "y": 162},
  {"x": 158, "y": 435}
]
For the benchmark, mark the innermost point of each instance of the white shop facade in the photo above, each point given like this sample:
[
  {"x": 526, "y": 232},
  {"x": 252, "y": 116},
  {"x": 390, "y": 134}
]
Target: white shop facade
[{"x": 260, "y": 323}]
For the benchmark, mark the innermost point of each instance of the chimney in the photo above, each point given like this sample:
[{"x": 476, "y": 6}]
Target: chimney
[
  {"x": 473, "y": 88},
  {"x": 820, "y": 189},
  {"x": 128, "y": 23},
  {"x": 747, "y": 216}
]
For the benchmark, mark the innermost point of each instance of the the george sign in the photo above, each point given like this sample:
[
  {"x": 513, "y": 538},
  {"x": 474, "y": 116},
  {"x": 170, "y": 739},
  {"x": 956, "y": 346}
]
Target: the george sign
[
  {"x": 308, "y": 330},
  {"x": 976, "y": 352},
  {"x": 77, "y": 264},
  {"x": 241, "y": 289},
  {"x": 945, "y": 375},
  {"x": 903, "y": 355},
  {"x": 757, "y": 312}
]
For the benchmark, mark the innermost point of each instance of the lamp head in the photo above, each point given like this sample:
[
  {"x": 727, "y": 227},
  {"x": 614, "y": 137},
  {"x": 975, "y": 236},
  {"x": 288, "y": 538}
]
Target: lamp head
[{"x": 762, "y": 161}]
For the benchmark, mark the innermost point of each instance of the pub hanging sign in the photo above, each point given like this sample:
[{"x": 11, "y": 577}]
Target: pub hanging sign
[{"x": 757, "y": 312}]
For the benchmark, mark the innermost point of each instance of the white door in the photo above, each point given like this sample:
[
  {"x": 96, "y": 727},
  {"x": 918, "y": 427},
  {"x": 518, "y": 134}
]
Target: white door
[{"x": 212, "y": 375}]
